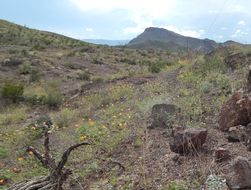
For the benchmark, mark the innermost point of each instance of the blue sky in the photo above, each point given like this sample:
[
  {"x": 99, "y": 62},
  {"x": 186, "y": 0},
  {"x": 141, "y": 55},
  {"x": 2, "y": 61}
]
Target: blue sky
[{"x": 220, "y": 20}]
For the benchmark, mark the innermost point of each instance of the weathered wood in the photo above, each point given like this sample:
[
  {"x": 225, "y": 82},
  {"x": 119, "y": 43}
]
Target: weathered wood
[{"x": 58, "y": 174}]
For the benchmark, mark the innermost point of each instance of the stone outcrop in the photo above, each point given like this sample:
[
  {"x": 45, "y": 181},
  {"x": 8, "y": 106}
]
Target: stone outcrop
[
  {"x": 241, "y": 179},
  {"x": 188, "y": 140},
  {"x": 236, "y": 111},
  {"x": 162, "y": 115}
]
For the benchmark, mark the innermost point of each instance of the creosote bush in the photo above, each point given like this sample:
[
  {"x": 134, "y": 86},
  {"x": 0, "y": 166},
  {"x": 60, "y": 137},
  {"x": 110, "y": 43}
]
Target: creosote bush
[{"x": 12, "y": 91}]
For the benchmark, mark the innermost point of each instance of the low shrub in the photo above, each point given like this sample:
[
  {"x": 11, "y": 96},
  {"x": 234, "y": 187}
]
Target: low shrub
[
  {"x": 53, "y": 98},
  {"x": 64, "y": 118},
  {"x": 34, "y": 75},
  {"x": 84, "y": 75},
  {"x": 25, "y": 68},
  {"x": 3, "y": 152},
  {"x": 12, "y": 91}
]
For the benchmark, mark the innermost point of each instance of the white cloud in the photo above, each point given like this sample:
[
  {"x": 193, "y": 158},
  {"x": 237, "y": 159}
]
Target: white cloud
[
  {"x": 141, "y": 13},
  {"x": 88, "y": 29},
  {"x": 239, "y": 33},
  {"x": 242, "y": 23},
  {"x": 185, "y": 32}
]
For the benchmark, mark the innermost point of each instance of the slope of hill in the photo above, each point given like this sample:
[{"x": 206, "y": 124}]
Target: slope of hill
[
  {"x": 13, "y": 34},
  {"x": 159, "y": 38}
]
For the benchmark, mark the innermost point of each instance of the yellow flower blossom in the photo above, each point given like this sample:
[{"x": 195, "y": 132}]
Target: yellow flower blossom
[
  {"x": 83, "y": 138},
  {"x": 20, "y": 159}
]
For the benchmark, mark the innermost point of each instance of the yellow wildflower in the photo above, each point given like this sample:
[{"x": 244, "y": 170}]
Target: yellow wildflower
[
  {"x": 20, "y": 159},
  {"x": 83, "y": 138}
]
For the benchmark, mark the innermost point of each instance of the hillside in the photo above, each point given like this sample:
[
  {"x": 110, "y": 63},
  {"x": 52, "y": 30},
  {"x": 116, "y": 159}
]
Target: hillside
[
  {"x": 159, "y": 38},
  {"x": 13, "y": 34},
  {"x": 69, "y": 93}
]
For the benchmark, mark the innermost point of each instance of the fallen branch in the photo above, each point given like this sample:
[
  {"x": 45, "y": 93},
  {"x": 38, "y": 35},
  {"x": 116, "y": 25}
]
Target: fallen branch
[{"x": 58, "y": 174}]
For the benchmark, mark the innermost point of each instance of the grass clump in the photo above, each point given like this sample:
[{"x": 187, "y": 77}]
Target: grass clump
[
  {"x": 53, "y": 98},
  {"x": 12, "y": 116},
  {"x": 64, "y": 118},
  {"x": 25, "y": 68}
]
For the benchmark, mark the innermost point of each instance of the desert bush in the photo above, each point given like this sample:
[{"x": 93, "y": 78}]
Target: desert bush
[
  {"x": 212, "y": 64},
  {"x": 206, "y": 87},
  {"x": 64, "y": 118},
  {"x": 25, "y": 68},
  {"x": 84, "y": 75},
  {"x": 3, "y": 152},
  {"x": 53, "y": 98},
  {"x": 155, "y": 67},
  {"x": 34, "y": 75},
  {"x": 97, "y": 79},
  {"x": 12, "y": 91}
]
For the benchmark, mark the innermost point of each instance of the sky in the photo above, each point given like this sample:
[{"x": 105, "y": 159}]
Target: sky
[{"x": 219, "y": 20}]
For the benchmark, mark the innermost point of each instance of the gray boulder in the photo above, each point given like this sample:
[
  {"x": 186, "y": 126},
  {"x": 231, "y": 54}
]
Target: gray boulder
[{"x": 163, "y": 115}]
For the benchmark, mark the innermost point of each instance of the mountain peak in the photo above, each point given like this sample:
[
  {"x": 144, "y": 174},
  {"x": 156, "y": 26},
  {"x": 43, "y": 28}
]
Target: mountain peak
[{"x": 160, "y": 38}]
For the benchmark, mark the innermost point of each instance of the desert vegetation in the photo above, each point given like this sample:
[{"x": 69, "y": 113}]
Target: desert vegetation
[{"x": 103, "y": 97}]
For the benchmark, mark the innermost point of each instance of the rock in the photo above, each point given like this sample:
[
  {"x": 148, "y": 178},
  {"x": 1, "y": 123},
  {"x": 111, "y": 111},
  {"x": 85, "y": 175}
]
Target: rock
[
  {"x": 235, "y": 112},
  {"x": 240, "y": 134},
  {"x": 221, "y": 154},
  {"x": 162, "y": 115},
  {"x": 237, "y": 59},
  {"x": 12, "y": 62},
  {"x": 241, "y": 180},
  {"x": 188, "y": 141},
  {"x": 236, "y": 134}
]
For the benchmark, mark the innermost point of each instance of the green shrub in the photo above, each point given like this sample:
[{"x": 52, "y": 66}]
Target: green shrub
[
  {"x": 53, "y": 98},
  {"x": 34, "y": 75},
  {"x": 25, "y": 68},
  {"x": 64, "y": 118},
  {"x": 155, "y": 67},
  {"x": 12, "y": 91},
  {"x": 206, "y": 87},
  {"x": 83, "y": 75},
  {"x": 3, "y": 152}
]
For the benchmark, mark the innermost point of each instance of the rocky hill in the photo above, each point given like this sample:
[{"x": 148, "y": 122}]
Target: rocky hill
[{"x": 159, "y": 38}]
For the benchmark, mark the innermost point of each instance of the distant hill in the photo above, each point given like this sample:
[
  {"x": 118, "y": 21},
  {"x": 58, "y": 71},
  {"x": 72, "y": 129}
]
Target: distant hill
[
  {"x": 107, "y": 42},
  {"x": 160, "y": 38}
]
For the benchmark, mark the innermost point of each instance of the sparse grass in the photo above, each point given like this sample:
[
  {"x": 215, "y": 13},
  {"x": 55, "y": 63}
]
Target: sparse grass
[
  {"x": 12, "y": 115},
  {"x": 64, "y": 117}
]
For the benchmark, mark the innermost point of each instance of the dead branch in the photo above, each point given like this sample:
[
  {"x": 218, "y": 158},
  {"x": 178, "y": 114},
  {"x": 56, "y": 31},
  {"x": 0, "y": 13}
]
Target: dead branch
[{"x": 58, "y": 174}]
